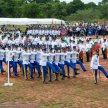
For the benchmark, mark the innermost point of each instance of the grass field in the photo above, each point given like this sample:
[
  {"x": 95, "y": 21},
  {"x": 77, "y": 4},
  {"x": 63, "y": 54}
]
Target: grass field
[{"x": 81, "y": 93}]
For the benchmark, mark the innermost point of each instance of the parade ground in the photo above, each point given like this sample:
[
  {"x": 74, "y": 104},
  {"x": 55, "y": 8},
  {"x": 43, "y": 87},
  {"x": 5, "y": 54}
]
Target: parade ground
[{"x": 80, "y": 92}]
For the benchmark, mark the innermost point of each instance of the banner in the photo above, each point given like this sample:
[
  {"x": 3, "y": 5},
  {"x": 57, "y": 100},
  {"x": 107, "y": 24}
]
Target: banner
[{"x": 63, "y": 33}]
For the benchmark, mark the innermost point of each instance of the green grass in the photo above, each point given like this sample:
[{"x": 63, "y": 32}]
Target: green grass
[
  {"x": 19, "y": 97},
  {"x": 67, "y": 94},
  {"x": 53, "y": 106},
  {"x": 2, "y": 100}
]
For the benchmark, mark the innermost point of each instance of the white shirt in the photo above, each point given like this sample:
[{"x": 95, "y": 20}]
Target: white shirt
[
  {"x": 94, "y": 62},
  {"x": 74, "y": 56},
  {"x": 44, "y": 59}
]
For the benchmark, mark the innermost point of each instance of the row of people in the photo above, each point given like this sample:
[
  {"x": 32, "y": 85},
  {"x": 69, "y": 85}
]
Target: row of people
[
  {"x": 41, "y": 60},
  {"x": 45, "y": 61}
]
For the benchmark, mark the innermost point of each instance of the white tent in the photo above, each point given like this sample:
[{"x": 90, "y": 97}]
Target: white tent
[{"x": 25, "y": 21}]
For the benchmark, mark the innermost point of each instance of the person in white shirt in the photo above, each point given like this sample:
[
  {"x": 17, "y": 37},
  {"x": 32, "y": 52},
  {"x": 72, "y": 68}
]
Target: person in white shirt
[
  {"x": 95, "y": 66},
  {"x": 11, "y": 62},
  {"x": 50, "y": 64},
  {"x": 88, "y": 51},
  {"x": 102, "y": 40},
  {"x": 16, "y": 59},
  {"x": 97, "y": 39},
  {"x": 26, "y": 63},
  {"x": 43, "y": 64},
  {"x": 75, "y": 61},
  {"x": 2, "y": 58},
  {"x": 104, "y": 47}
]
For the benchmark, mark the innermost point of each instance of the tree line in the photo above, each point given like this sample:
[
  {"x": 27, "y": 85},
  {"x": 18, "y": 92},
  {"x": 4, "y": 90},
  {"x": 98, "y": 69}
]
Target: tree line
[{"x": 76, "y": 10}]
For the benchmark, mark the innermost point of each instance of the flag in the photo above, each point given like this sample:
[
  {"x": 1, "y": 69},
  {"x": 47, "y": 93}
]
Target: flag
[
  {"x": 99, "y": 25},
  {"x": 61, "y": 25},
  {"x": 55, "y": 24},
  {"x": 81, "y": 54},
  {"x": 105, "y": 50},
  {"x": 80, "y": 23},
  {"x": 90, "y": 54},
  {"x": 29, "y": 40},
  {"x": 103, "y": 23},
  {"x": 77, "y": 41},
  {"x": 65, "y": 50},
  {"x": 52, "y": 23},
  {"x": 95, "y": 46},
  {"x": 88, "y": 51},
  {"x": 66, "y": 41},
  {"x": 78, "y": 50}
]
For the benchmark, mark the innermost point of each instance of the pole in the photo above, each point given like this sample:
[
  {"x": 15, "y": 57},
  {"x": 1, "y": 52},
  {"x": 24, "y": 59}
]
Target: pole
[
  {"x": 8, "y": 84},
  {"x": 8, "y": 67}
]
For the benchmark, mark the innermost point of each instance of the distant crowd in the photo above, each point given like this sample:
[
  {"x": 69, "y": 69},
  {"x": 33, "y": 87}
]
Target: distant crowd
[{"x": 76, "y": 30}]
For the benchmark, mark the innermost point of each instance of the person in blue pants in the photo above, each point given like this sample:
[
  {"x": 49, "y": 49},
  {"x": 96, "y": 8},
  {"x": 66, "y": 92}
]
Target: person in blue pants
[
  {"x": 11, "y": 62},
  {"x": 43, "y": 64},
  {"x": 52, "y": 66},
  {"x": 75, "y": 61},
  {"x": 95, "y": 66},
  {"x": 69, "y": 63},
  {"x": 26, "y": 64},
  {"x": 2, "y": 59}
]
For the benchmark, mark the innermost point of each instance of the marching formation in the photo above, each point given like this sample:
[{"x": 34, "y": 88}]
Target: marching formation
[{"x": 49, "y": 54}]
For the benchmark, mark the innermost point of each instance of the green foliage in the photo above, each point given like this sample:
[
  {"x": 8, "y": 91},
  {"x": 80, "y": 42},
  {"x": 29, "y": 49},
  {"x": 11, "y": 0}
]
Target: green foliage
[
  {"x": 83, "y": 15},
  {"x": 74, "y": 11},
  {"x": 30, "y": 10}
]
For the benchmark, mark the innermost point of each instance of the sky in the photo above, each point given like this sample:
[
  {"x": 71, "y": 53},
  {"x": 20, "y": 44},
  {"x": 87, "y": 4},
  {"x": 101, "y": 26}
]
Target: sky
[{"x": 85, "y": 1}]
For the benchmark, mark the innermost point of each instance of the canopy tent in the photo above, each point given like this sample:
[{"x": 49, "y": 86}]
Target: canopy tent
[{"x": 26, "y": 21}]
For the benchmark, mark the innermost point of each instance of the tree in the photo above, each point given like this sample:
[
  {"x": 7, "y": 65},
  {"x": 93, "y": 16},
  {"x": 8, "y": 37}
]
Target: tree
[
  {"x": 78, "y": 5},
  {"x": 103, "y": 7},
  {"x": 85, "y": 15},
  {"x": 90, "y": 5},
  {"x": 11, "y": 8},
  {"x": 30, "y": 10}
]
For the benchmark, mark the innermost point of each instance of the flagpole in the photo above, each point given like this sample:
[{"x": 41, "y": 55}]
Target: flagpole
[
  {"x": 8, "y": 67},
  {"x": 8, "y": 84}
]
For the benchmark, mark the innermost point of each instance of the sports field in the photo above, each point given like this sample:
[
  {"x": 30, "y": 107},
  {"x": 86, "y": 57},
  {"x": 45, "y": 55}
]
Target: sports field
[{"x": 80, "y": 92}]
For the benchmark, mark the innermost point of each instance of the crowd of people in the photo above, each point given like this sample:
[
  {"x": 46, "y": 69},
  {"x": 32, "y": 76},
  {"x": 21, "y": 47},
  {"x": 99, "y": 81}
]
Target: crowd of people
[
  {"x": 74, "y": 29},
  {"x": 49, "y": 53}
]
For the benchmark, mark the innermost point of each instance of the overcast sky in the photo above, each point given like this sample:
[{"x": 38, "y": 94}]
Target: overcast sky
[{"x": 85, "y": 1}]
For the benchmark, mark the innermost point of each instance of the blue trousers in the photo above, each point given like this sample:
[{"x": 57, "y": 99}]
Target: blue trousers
[
  {"x": 21, "y": 66},
  {"x": 69, "y": 65},
  {"x": 1, "y": 66},
  {"x": 4, "y": 60},
  {"x": 74, "y": 72},
  {"x": 62, "y": 68},
  {"x": 25, "y": 69},
  {"x": 50, "y": 66},
  {"x": 37, "y": 66},
  {"x": 95, "y": 72},
  {"x": 57, "y": 69},
  {"x": 95, "y": 75},
  {"x": 43, "y": 73},
  {"x": 102, "y": 69},
  {"x": 14, "y": 67},
  {"x": 80, "y": 63},
  {"x": 33, "y": 64}
]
